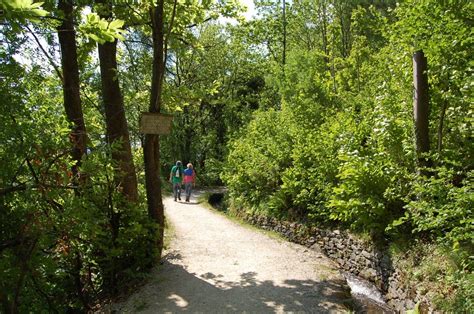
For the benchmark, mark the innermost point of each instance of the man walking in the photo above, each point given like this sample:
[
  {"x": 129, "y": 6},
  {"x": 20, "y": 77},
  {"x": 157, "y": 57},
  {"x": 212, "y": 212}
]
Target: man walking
[{"x": 176, "y": 178}]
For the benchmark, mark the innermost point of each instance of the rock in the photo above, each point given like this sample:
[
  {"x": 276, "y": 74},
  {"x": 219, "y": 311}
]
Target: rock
[
  {"x": 369, "y": 274},
  {"x": 353, "y": 255},
  {"x": 367, "y": 254},
  {"x": 410, "y": 305}
]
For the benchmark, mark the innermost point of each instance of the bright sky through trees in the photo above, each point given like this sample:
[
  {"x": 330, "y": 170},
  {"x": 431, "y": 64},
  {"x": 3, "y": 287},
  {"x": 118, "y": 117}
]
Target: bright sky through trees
[{"x": 250, "y": 8}]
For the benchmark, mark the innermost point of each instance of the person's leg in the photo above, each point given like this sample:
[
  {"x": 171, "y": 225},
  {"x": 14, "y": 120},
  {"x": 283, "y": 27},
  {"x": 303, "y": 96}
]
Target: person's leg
[
  {"x": 175, "y": 191},
  {"x": 179, "y": 190},
  {"x": 188, "y": 191}
]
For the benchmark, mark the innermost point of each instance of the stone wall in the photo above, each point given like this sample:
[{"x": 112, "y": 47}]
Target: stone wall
[{"x": 353, "y": 255}]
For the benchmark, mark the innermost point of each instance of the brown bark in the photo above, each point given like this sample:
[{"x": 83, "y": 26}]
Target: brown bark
[
  {"x": 151, "y": 150},
  {"x": 71, "y": 88},
  {"x": 421, "y": 106},
  {"x": 117, "y": 127}
]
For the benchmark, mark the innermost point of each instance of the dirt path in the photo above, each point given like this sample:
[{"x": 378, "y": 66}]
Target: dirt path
[{"x": 215, "y": 265}]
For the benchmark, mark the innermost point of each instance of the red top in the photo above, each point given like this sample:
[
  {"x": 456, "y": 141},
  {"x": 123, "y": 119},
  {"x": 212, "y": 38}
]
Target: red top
[{"x": 189, "y": 175}]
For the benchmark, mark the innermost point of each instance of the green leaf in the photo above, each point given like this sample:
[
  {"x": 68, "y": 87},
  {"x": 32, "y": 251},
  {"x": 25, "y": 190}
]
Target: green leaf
[{"x": 116, "y": 24}]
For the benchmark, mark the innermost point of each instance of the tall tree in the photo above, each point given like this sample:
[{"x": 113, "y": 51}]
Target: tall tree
[
  {"x": 117, "y": 127},
  {"x": 71, "y": 87},
  {"x": 152, "y": 141}
]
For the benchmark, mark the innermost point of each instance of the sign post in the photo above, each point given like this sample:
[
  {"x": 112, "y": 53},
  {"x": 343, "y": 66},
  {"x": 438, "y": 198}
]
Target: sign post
[{"x": 155, "y": 123}]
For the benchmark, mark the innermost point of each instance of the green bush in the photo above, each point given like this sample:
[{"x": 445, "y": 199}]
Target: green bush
[
  {"x": 63, "y": 246},
  {"x": 443, "y": 207},
  {"x": 257, "y": 160}
]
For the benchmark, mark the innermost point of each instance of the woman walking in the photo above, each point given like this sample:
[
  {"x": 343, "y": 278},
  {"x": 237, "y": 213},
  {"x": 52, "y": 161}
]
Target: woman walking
[{"x": 189, "y": 180}]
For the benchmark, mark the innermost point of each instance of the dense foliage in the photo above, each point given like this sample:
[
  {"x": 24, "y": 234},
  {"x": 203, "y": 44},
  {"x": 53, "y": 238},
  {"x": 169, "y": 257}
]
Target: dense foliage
[
  {"x": 345, "y": 133},
  {"x": 351, "y": 156},
  {"x": 60, "y": 247}
]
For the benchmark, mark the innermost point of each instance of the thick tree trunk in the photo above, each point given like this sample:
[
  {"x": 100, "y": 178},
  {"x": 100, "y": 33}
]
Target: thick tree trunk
[
  {"x": 117, "y": 127},
  {"x": 421, "y": 106},
  {"x": 151, "y": 150},
  {"x": 71, "y": 88}
]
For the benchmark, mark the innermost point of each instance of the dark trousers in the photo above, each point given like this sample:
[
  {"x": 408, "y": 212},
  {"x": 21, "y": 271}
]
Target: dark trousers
[
  {"x": 177, "y": 191},
  {"x": 188, "y": 189}
]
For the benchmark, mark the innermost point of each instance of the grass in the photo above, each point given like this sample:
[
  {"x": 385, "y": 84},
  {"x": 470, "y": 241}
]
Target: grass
[
  {"x": 140, "y": 305},
  {"x": 169, "y": 234}
]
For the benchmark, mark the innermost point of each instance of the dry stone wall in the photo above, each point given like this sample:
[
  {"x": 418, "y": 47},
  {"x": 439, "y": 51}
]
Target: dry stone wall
[{"x": 353, "y": 255}]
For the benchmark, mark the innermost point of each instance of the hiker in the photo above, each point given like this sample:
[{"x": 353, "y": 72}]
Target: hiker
[
  {"x": 176, "y": 178},
  {"x": 189, "y": 180}
]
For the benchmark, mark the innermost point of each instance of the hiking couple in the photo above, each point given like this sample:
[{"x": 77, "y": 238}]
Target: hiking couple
[{"x": 178, "y": 175}]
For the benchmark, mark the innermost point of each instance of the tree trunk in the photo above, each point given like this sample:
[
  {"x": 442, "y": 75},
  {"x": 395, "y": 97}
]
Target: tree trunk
[
  {"x": 421, "y": 107},
  {"x": 324, "y": 35},
  {"x": 151, "y": 150},
  {"x": 71, "y": 88},
  {"x": 117, "y": 127},
  {"x": 188, "y": 135},
  {"x": 284, "y": 34},
  {"x": 343, "y": 9},
  {"x": 441, "y": 124}
]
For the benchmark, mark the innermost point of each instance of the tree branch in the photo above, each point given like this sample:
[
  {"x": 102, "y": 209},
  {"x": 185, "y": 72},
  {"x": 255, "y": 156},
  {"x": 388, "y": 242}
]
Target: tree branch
[
  {"x": 195, "y": 24},
  {"x": 139, "y": 42},
  {"x": 11, "y": 189},
  {"x": 165, "y": 45},
  {"x": 50, "y": 59}
]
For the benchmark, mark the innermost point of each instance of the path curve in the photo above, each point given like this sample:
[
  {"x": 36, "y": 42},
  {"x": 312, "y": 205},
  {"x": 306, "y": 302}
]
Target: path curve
[{"x": 215, "y": 265}]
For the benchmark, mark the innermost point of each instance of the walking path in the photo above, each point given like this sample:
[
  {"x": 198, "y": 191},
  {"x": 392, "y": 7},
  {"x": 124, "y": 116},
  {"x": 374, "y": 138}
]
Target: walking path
[{"x": 215, "y": 265}]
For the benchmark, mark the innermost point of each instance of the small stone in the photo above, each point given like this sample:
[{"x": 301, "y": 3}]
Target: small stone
[{"x": 367, "y": 254}]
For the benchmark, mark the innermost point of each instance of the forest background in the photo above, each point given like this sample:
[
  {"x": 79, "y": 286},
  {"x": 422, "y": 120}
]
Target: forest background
[{"x": 304, "y": 112}]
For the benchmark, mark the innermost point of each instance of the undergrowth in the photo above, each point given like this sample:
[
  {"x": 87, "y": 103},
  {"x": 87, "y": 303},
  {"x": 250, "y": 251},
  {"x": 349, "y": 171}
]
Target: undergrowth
[{"x": 442, "y": 274}]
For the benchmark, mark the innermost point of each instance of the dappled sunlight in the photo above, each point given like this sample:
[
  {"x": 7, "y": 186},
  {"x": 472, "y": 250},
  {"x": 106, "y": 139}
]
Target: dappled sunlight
[
  {"x": 179, "y": 301},
  {"x": 180, "y": 290}
]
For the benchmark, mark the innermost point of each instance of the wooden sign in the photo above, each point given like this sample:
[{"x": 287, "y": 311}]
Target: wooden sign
[{"x": 155, "y": 123}]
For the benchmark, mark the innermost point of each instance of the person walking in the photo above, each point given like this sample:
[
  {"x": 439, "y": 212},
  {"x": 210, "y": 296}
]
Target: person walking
[
  {"x": 176, "y": 179},
  {"x": 189, "y": 180}
]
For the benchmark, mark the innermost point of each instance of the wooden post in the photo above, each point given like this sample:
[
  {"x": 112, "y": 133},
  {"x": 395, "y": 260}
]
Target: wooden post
[{"x": 421, "y": 106}]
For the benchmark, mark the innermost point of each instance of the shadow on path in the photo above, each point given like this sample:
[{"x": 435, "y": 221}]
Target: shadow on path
[{"x": 177, "y": 290}]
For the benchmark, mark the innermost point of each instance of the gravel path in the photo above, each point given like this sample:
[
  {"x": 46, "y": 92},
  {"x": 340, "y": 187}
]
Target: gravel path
[{"x": 215, "y": 265}]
